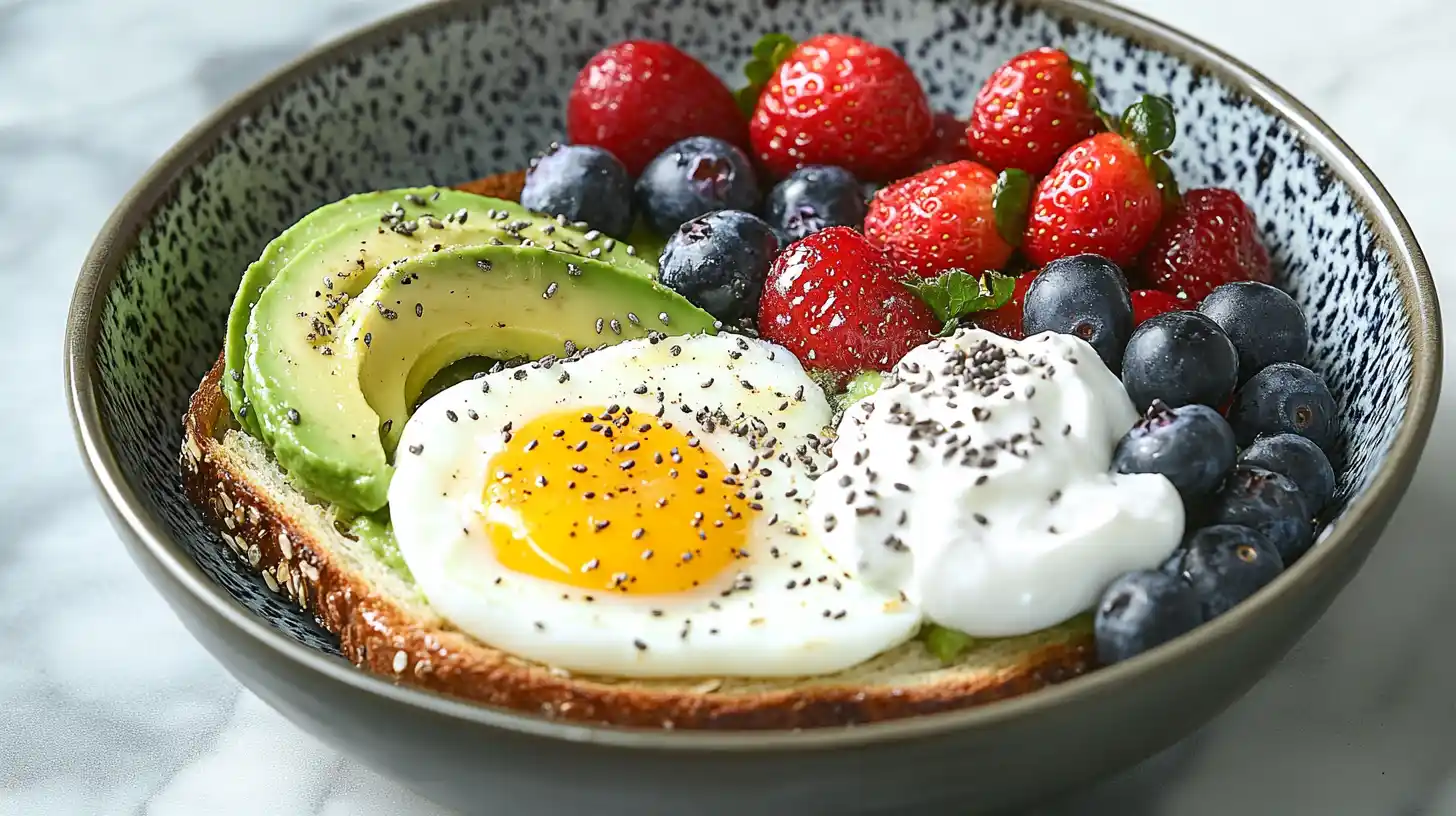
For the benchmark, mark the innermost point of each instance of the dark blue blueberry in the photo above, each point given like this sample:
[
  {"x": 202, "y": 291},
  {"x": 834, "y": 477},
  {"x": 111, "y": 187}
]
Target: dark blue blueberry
[
  {"x": 815, "y": 197},
  {"x": 1265, "y": 324},
  {"x": 582, "y": 183},
  {"x": 1181, "y": 358},
  {"x": 719, "y": 261},
  {"x": 1227, "y": 563},
  {"x": 695, "y": 176},
  {"x": 1141, "y": 610},
  {"x": 1173, "y": 564},
  {"x": 1299, "y": 460},
  {"x": 1285, "y": 398},
  {"x": 1191, "y": 445},
  {"x": 1272, "y": 504},
  {"x": 1085, "y": 296}
]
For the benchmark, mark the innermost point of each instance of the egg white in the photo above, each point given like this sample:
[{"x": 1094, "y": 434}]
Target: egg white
[{"x": 797, "y": 613}]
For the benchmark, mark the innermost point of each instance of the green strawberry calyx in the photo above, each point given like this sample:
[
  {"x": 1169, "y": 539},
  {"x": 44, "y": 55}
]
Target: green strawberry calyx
[
  {"x": 1084, "y": 76},
  {"x": 1010, "y": 201},
  {"x": 768, "y": 54},
  {"x": 1150, "y": 125},
  {"x": 957, "y": 293},
  {"x": 1167, "y": 184}
]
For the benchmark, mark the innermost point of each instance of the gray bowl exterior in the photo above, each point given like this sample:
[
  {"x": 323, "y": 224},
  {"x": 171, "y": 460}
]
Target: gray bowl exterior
[{"x": 460, "y": 89}]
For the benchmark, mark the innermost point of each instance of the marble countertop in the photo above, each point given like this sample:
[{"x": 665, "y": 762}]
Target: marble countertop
[{"x": 1360, "y": 719}]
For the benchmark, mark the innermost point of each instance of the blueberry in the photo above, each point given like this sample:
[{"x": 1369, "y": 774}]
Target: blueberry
[
  {"x": 1173, "y": 564},
  {"x": 815, "y": 197},
  {"x": 582, "y": 183},
  {"x": 1265, "y": 324},
  {"x": 1285, "y": 398},
  {"x": 1227, "y": 563},
  {"x": 1181, "y": 358},
  {"x": 719, "y": 261},
  {"x": 1299, "y": 460},
  {"x": 1191, "y": 445},
  {"x": 1085, "y": 296},
  {"x": 1272, "y": 504},
  {"x": 1141, "y": 610},
  {"x": 695, "y": 176}
]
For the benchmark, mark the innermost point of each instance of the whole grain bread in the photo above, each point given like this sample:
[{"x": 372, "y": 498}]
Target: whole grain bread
[{"x": 386, "y": 626}]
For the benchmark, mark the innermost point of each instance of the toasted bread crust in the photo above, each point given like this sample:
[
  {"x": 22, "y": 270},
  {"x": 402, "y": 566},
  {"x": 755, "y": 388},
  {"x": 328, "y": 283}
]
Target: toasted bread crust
[{"x": 378, "y": 635}]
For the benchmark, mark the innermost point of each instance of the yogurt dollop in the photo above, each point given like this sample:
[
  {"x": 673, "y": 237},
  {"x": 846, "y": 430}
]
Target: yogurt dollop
[{"x": 976, "y": 482}]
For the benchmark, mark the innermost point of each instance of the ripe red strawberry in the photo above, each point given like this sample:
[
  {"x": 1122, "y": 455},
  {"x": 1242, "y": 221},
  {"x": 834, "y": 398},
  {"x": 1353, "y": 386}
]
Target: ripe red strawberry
[
  {"x": 1031, "y": 110},
  {"x": 947, "y": 142},
  {"x": 1210, "y": 240},
  {"x": 832, "y": 299},
  {"x": 840, "y": 100},
  {"x": 638, "y": 97},
  {"x": 938, "y": 220},
  {"x": 1148, "y": 303},
  {"x": 1106, "y": 194},
  {"x": 1006, "y": 321}
]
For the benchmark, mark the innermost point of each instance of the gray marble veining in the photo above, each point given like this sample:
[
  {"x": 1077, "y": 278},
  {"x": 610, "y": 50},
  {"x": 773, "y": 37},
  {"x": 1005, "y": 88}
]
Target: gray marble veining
[{"x": 108, "y": 706}]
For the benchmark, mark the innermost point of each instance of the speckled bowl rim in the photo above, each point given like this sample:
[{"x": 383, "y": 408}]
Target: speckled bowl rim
[{"x": 1392, "y": 476}]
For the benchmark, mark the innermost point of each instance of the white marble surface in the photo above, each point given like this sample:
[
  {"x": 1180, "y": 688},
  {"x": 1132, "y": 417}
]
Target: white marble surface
[{"x": 1360, "y": 719}]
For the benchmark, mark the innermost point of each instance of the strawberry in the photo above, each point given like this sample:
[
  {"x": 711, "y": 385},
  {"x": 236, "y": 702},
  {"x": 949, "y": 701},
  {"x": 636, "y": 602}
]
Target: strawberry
[
  {"x": 1148, "y": 303},
  {"x": 1106, "y": 194},
  {"x": 837, "y": 99},
  {"x": 638, "y": 97},
  {"x": 947, "y": 142},
  {"x": 1006, "y": 321},
  {"x": 940, "y": 219},
  {"x": 1210, "y": 240},
  {"x": 833, "y": 299},
  {"x": 1031, "y": 110}
]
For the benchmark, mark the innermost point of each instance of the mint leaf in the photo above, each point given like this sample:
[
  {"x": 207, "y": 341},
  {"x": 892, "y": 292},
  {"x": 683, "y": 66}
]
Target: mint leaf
[
  {"x": 946, "y": 644},
  {"x": 957, "y": 293},
  {"x": 768, "y": 54}
]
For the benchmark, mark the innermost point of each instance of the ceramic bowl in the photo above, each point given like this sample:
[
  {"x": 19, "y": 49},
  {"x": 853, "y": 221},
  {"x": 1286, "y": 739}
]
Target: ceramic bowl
[{"x": 456, "y": 90}]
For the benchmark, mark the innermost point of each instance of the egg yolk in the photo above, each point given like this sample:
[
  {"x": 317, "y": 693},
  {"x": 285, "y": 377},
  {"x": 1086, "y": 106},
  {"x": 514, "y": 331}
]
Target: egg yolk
[{"x": 614, "y": 500}]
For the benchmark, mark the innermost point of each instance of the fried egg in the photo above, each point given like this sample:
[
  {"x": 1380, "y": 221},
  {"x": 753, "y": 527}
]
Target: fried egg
[{"x": 639, "y": 511}]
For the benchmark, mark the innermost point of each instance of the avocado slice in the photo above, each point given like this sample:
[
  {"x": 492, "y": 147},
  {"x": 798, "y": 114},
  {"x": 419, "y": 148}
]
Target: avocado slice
[
  {"x": 346, "y": 242},
  {"x": 333, "y": 419}
]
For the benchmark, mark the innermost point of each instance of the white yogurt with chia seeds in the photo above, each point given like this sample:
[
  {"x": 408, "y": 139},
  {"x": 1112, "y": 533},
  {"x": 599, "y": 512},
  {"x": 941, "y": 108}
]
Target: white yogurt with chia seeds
[{"x": 977, "y": 483}]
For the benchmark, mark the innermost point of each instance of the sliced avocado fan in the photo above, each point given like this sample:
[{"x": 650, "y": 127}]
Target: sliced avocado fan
[
  {"x": 331, "y": 254},
  {"x": 332, "y": 412}
]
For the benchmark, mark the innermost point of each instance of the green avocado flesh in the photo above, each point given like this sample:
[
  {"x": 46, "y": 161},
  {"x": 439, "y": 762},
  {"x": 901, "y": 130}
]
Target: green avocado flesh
[
  {"x": 331, "y": 404},
  {"x": 497, "y": 302},
  {"x": 377, "y": 534},
  {"x": 347, "y": 317},
  {"x": 950, "y": 645},
  {"x": 346, "y": 242},
  {"x": 860, "y": 386}
]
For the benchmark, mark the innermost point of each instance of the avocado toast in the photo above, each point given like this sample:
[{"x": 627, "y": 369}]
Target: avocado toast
[
  {"x": 555, "y": 440},
  {"x": 331, "y": 556}
]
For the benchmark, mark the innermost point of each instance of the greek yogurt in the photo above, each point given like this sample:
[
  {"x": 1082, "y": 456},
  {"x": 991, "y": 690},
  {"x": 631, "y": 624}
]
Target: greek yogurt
[{"x": 976, "y": 483}]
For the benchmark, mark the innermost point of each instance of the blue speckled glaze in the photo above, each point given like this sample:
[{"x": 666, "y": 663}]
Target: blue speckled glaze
[{"x": 478, "y": 93}]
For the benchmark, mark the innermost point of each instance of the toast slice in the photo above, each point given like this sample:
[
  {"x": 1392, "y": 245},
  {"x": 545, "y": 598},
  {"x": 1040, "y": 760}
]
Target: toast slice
[{"x": 386, "y": 626}]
